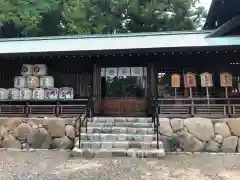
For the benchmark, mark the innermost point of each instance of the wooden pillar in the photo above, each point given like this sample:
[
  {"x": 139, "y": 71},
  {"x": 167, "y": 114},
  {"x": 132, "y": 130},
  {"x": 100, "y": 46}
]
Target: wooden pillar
[
  {"x": 151, "y": 84},
  {"x": 97, "y": 88}
]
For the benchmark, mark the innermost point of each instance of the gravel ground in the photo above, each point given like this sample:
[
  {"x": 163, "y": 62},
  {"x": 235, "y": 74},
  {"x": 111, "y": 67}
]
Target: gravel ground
[{"x": 55, "y": 165}]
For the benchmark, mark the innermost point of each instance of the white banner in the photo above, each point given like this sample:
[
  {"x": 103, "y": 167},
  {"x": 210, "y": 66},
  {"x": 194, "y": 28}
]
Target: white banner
[
  {"x": 123, "y": 71},
  {"x": 111, "y": 72},
  {"x": 136, "y": 71},
  {"x": 145, "y": 71},
  {"x": 103, "y": 72}
]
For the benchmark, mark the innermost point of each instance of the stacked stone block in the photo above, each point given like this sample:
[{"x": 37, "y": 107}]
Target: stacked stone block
[
  {"x": 133, "y": 137},
  {"x": 37, "y": 133},
  {"x": 201, "y": 134}
]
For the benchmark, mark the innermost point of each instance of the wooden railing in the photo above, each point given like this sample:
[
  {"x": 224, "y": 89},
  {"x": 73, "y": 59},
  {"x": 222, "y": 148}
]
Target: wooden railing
[
  {"x": 43, "y": 108},
  {"x": 187, "y": 107}
]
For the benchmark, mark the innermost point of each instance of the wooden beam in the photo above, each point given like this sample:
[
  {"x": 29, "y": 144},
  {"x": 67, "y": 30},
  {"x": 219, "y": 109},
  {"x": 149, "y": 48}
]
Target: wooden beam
[
  {"x": 97, "y": 88},
  {"x": 225, "y": 28},
  {"x": 151, "y": 84}
]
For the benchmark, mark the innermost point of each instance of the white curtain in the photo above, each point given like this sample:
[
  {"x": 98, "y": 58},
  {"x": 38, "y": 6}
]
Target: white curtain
[
  {"x": 111, "y": 72},
  {"x": 137, "y": 71},
  {"x": 123, "y": 71}
]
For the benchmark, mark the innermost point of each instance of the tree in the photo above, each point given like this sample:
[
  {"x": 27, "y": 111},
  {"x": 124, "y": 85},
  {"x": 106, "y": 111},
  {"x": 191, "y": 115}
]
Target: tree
[
  {"x": 45, "y": 17},
  {"x": 106, "y": 18},
  {"x": 26, "y": 15},
  {"x": 74, "y": 17},
  {"x": 161, "y": 15},
  {"x": 50, "y": 24},
  {"x": 123, "y": 16}
]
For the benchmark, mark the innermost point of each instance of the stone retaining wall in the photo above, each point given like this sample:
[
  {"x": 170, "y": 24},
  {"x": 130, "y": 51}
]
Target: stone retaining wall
[
  {"x": 37, "y": 133},
  {"x": 190, "y": 135},
  {"x": 200, "y": 134}
]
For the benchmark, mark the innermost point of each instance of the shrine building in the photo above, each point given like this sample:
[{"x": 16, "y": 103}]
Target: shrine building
[{"x": 188, "y": 73}]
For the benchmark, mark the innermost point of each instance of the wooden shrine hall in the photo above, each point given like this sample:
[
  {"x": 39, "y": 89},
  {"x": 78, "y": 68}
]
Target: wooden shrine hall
[{"x": 186, "y": 73}]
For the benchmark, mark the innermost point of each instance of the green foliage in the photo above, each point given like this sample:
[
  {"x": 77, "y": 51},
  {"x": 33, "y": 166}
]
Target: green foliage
[
  {"x": 162, "y": 15},
  {"x": 25, "y": 14},
  {"x": 75, "y": 17}
]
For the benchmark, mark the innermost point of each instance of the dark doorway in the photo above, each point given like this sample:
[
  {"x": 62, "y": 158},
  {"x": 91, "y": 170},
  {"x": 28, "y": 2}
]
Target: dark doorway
[{"x": 124, "y": 91}]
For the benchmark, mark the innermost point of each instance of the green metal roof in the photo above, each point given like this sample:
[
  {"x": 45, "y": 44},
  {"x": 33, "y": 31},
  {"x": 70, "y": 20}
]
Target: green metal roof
[{"x": 114, "y": 42}]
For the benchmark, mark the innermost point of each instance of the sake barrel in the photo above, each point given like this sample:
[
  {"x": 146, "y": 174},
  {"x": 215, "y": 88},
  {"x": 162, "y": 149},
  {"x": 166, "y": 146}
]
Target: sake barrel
[
  {"x": 27, "y": 70},
  {"x": 14, "y": 93},
  {"x": 39, "y": 70},
  {"x": 20, "y": 82},
  {"x": 51, "y": 93},
  {"x": 66, "y": 93},
  {"x": 3, "y": 93},
  {"x": 46, "y": 82},
  {"x": 32, "y": 82},
  {"x": 38, "y": 93},
  {"x": 25, "y": 94}
]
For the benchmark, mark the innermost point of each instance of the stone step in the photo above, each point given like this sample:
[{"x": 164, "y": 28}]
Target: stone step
[
  {"x": 121, "y": 119},
  {"x": 118, "y": 144},
  {"x": 118, "y": 137},
  {"x": 107, "y": 153},
  {"x": 121, "y": 124},
  {"x": 117, "y": 130},
  {"x": 118, "y": 124}
]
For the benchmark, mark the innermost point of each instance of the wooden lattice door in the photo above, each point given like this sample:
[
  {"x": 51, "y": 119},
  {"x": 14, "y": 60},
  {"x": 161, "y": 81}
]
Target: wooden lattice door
[{"x": 124, "y": 94}]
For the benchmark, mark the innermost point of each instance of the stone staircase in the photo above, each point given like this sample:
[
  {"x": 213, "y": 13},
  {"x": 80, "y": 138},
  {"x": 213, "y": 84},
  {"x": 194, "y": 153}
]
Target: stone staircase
[{"x": 118, "y": 137}]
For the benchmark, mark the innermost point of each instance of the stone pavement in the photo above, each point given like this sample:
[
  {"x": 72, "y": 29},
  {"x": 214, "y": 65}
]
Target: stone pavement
[{"x": 54, "y": 165}]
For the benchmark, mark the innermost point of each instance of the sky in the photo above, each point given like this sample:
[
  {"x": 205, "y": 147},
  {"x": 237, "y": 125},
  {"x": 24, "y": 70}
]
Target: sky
[{"x": 205, "y": 3}]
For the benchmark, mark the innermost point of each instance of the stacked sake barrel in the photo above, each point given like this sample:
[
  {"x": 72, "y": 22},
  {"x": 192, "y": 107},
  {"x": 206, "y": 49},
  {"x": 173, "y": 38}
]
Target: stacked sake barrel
[
  {"x": 30, "y": 84},
  {"x": 47, "y": 85},
  {"x": 3, "y": 94},
  {"x": 24, "y": 84},
  {"x": 20, "y": 90},
  {"x": 34, "y": 83}
]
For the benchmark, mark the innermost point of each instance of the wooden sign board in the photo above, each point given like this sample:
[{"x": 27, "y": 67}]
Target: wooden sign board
[
  {"x": 175, "y": 80},
  {"x": 189, "y": 80},
  {"x": 226, "y": 79},
  {"x": 206, "y": 79}
]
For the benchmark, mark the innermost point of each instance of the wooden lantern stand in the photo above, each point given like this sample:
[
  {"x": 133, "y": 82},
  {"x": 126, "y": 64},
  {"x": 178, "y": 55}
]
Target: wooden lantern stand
[
  {"x": 190, "y": 82},
  {"x": 206, "y": 82},
  {"x": 175, "y": 83},
  {"x": 226, "y": 82}
]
